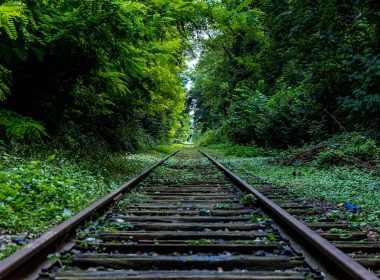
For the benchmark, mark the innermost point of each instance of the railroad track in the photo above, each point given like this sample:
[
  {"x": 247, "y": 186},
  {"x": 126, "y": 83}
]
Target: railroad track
[
  {"x": 187, "y": 220},
  {"x": 362, "y": 245}
]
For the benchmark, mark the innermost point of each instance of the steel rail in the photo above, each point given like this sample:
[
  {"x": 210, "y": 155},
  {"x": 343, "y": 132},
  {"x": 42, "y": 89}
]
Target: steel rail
[
  {"x": 346, "y": 263},
  {"x": 21, "y": 257}
]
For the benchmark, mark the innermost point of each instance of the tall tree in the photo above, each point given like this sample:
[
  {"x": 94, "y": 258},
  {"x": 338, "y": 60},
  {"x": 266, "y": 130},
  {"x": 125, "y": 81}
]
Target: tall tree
[{"x": 284, "y": 72}]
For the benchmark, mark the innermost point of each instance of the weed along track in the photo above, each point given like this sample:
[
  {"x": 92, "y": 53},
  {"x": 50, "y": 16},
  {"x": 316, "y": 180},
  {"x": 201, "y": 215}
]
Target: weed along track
[{"x": 186, "y": 220}]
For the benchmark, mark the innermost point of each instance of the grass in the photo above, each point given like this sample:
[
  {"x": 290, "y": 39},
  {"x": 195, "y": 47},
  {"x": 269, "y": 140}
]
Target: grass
[
  {"x": 202, "y": 241},
  {"x": 333, "y": 184},
  {"x": 223, "y": 206}
]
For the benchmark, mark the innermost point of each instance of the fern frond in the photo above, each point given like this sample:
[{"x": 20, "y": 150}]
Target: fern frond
[
  {"x": 114, "y": 81},
  {"x": 12, "y": 7},
  {"x": 10, "y": 28},
  {"x": 10, "y": 12},
  {"x": 4, "y": 81},
  {"x": 20, "y": 128}
]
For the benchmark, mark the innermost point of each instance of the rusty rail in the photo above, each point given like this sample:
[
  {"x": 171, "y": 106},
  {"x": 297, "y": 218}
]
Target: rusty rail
[
  {"x": 21, "y": 257},
  {"x": 347, "y": 264}
]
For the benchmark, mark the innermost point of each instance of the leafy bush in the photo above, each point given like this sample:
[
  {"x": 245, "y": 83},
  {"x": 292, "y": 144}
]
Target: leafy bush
[
  {"x": 19, "y": 128},
  {"x": 361, "y": 147},
  {"x": 210, "y": 137},
  {"x": 353, "y": 149},
  {"x": 330, "y": 157},
  {"x": 167, "y": 149},
  {"x": 247, "y": 116},
  {"x": 248, "y": 199},
  {"x": 239, "y": 150},
  {"x": 342, "y": 149}
]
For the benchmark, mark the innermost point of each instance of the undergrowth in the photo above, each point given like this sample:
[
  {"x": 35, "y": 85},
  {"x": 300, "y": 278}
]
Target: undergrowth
[
  {"x": 238, "y": 150},
  {"x": 40, "y": 191},
  {"x": 334, "y": 185},
  {"x": 343, "y": 168},
  {"x": 341, "y": 150}
]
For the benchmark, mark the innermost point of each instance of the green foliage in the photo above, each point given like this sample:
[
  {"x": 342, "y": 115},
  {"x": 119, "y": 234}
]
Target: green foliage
[
  {"x": 39, "y": 192},
  {"x": 210, "y": 137},
  {"x": 167, "y": 149},
  {"x": 223, "y": 206},
  {"x": 108, "y": 70},
  {"x": 202, "y": 241},
  {"x": 4, "y": 83},
  {"x": 11, "y": 12},
  {"x": 248, "y": 199},
  {"x": 364, "y": 101},
  {"x": 246, "y": 115},
  {"x": 258, "y": 219},
  {"x": 343, "y": 149},
  {"x": 282, "y": 73},
  {"x": 354, "y": 150},
  {"x": 333, "y": 185},
  {"x": 271, "y": 237},
  {"x": 19, "y": 128},
  {"x": 239, "y": 150}
]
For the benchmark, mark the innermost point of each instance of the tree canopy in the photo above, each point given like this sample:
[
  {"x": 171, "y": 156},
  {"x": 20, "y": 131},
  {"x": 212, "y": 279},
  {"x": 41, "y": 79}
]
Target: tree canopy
[
  {"x": 97, "y": 70},
  {"x": 288, "y": 71}
]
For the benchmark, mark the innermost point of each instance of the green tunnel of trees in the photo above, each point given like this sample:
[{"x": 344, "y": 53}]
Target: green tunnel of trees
[
  {"x": 111, "y": 72},
  {"x": 285, "y": 72},
  {"x": 94, "y": 71}
]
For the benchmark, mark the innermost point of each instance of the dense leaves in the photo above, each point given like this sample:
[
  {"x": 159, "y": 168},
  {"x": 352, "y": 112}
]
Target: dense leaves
[
  {"x": 19, "y": 128},
  {"x": 98, "y": 71},
  {"x": 287, "y": 72},
  {"x": 10, "y": 13}
]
